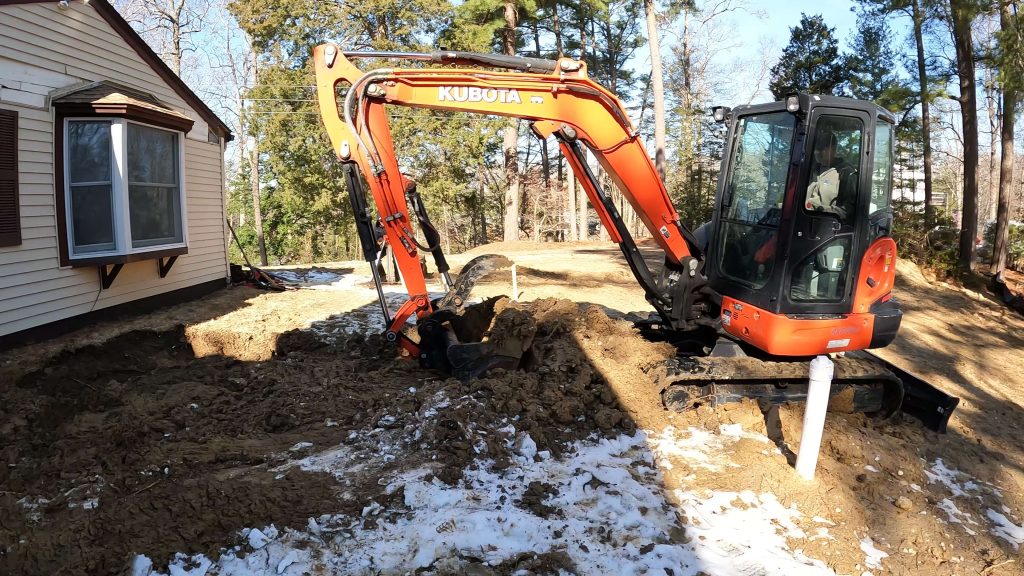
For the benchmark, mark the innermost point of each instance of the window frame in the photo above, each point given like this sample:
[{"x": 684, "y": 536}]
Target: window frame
[
  {"x": 891, "y": 152},
  {"x": 724, "y": 221},
  {"x": 123, "y": 250}
]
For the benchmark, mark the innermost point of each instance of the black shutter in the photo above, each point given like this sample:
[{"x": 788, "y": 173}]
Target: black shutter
[{"x": 10, "y": 214}]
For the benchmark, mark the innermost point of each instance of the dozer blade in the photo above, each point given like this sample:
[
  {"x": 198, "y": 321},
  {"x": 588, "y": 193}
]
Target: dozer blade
[{"x": 921, "y": 400}]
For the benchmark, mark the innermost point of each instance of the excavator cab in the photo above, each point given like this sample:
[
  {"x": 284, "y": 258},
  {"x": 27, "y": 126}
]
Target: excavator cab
[{"x": 800, "y": 252}]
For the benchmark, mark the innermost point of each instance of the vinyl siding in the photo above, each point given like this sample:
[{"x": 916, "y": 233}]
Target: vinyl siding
[{"x": 42, "y": 49}]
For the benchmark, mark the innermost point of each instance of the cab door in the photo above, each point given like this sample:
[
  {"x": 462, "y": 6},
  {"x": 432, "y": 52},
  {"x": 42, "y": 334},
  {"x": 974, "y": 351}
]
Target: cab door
[{"x": 829, "y": 216}]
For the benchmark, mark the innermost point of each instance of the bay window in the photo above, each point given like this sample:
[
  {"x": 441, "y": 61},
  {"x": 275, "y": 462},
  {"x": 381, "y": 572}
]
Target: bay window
[{"x": 122, "y": 188}]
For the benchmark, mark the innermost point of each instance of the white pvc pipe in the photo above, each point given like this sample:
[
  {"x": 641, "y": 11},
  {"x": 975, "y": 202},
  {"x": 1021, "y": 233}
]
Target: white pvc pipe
[
  {"x": 515, "y": 285},
  {"x": 822, "y": 370}
]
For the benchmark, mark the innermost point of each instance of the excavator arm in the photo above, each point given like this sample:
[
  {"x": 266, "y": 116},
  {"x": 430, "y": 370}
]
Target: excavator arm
[{"x": 559, "y": 100}]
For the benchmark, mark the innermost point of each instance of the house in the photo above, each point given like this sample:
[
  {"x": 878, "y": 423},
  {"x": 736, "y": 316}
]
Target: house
[{"x": 111, "y": 173}]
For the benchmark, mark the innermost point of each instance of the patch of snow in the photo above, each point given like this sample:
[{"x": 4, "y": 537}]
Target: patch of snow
[
  {"x": 526, "y": 447},
  {"x": 291, "y": 558},
  {"x": 735, "y": 532},
  {"x": 873, "y": 556},
  {"x": 439, "y": 401},
  {"x": 300, "y": 446},
  {"x": 256, "y": 538},
  {"x": 141, "y": 566},
  {"x": 695, "y": 447},
  {"x": 611, "y": 519},
  {"x": 960, "y": 485},
  {"x": 735, "y": 432},
  {"x": 942, "y": 474},
  {"x": 1006, "y": 529}
]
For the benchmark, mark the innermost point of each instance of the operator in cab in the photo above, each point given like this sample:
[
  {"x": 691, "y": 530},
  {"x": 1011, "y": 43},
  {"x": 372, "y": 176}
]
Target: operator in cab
[{"x": 833, "y": 180}]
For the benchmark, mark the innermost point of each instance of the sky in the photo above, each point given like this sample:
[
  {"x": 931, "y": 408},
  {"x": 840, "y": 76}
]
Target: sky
[{"x": 768, "y": 22}]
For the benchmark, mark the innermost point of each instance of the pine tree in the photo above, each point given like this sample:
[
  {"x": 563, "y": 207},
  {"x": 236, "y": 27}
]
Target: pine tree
[
  {"x": 811, "y": 62},
  {"x": 1010, "y": 60},
  {"x": 962, "y": 15}
]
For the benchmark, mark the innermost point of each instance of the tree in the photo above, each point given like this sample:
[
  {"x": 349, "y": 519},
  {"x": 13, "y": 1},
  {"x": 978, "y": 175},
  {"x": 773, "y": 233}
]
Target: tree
[
  {"x": 1010, "y": 60},
  {"x": 962, "y": 14},
  {"x": 810, "y": 62},
  {"x": 511, "y": 147},
  {"x": 166, "y": 25},
  {"x": 919, "y": 13},
  {"x": 657, "y": 87},
  {"x": 873, "y": 68}
]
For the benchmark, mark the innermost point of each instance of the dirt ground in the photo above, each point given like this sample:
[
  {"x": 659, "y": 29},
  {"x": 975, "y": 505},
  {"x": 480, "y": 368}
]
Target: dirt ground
[{"x": 171, "y": 434}]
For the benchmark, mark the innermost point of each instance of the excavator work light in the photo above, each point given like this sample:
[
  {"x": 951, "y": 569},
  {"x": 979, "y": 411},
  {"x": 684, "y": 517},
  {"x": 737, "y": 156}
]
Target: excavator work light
[
  {"x": 793, "y": 103},
  {"x": 720, "y": 113}
]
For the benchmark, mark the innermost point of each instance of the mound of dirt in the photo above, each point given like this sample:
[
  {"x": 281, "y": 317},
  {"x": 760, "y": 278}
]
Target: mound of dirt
[
  {"x": 138, "y": 446},
  {"x": 559, "y": 396}
]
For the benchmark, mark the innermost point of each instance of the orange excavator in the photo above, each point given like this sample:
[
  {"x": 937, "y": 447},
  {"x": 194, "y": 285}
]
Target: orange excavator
[{"x": 797, "y": 260}]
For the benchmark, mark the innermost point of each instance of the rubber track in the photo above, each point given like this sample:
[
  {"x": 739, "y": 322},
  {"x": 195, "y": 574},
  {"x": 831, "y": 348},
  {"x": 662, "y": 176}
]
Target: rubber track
[{"x": 700, "y": 371}]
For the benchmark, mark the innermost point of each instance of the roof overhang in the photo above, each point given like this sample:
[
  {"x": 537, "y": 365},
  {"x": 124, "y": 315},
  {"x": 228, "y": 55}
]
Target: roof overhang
[{"x": 106, "y": 98}]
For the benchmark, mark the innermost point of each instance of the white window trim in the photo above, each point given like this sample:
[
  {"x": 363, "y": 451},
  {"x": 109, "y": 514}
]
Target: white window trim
[{"x": 119, "y": 190}]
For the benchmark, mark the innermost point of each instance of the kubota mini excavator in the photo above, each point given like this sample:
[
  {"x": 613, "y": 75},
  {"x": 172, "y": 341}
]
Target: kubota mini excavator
[{"x": 797, "y": 260}]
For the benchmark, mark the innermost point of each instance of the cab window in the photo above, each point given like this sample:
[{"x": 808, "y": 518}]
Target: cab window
[
  {"x": 752, "y": 207},
  {"x": 881, "y": 171},
  {"x": 833, "y": 182}
]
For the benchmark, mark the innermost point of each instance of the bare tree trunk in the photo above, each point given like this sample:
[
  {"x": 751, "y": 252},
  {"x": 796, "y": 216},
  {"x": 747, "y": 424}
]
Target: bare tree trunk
[
  {"x": 173, "y": 16},
  {"x": 254, "y": 177},
  {"x": 482, "y": 209},
  {"x": 999, "y": 250},
  {"x": 511, "y": 140},
  {"x": 926, "y": 137},
  {"x": 993, "y": 102},
  {"x": 657, "y": 87},
  {"x": 581, "y": 210},
  {"x": 963, "y": 43},
  {"x": 570, "y": 210}
]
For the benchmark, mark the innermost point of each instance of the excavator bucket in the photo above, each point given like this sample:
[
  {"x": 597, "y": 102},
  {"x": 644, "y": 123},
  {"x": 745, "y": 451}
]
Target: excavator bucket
[
  {"x": 467, "y": 341},
  {"x": 474, "y": 270}
]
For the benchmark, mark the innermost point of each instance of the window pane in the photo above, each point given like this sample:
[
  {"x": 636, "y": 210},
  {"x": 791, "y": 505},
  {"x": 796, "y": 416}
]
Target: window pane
[
  {"x": 88, "y": 152},
  {"x": 882, "y": 167},
  {"x": 834, "y": 179},
  {"x": 155, "y": 215},
  {"x": 154, "y": 204},
  {"x": 757, "y": 184},
  {"x": 152, "y": 155},
  {"x": 758, "y": 179},
  {"x": 92, "y": 219},
  {"x": 822, "y": 275}
]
